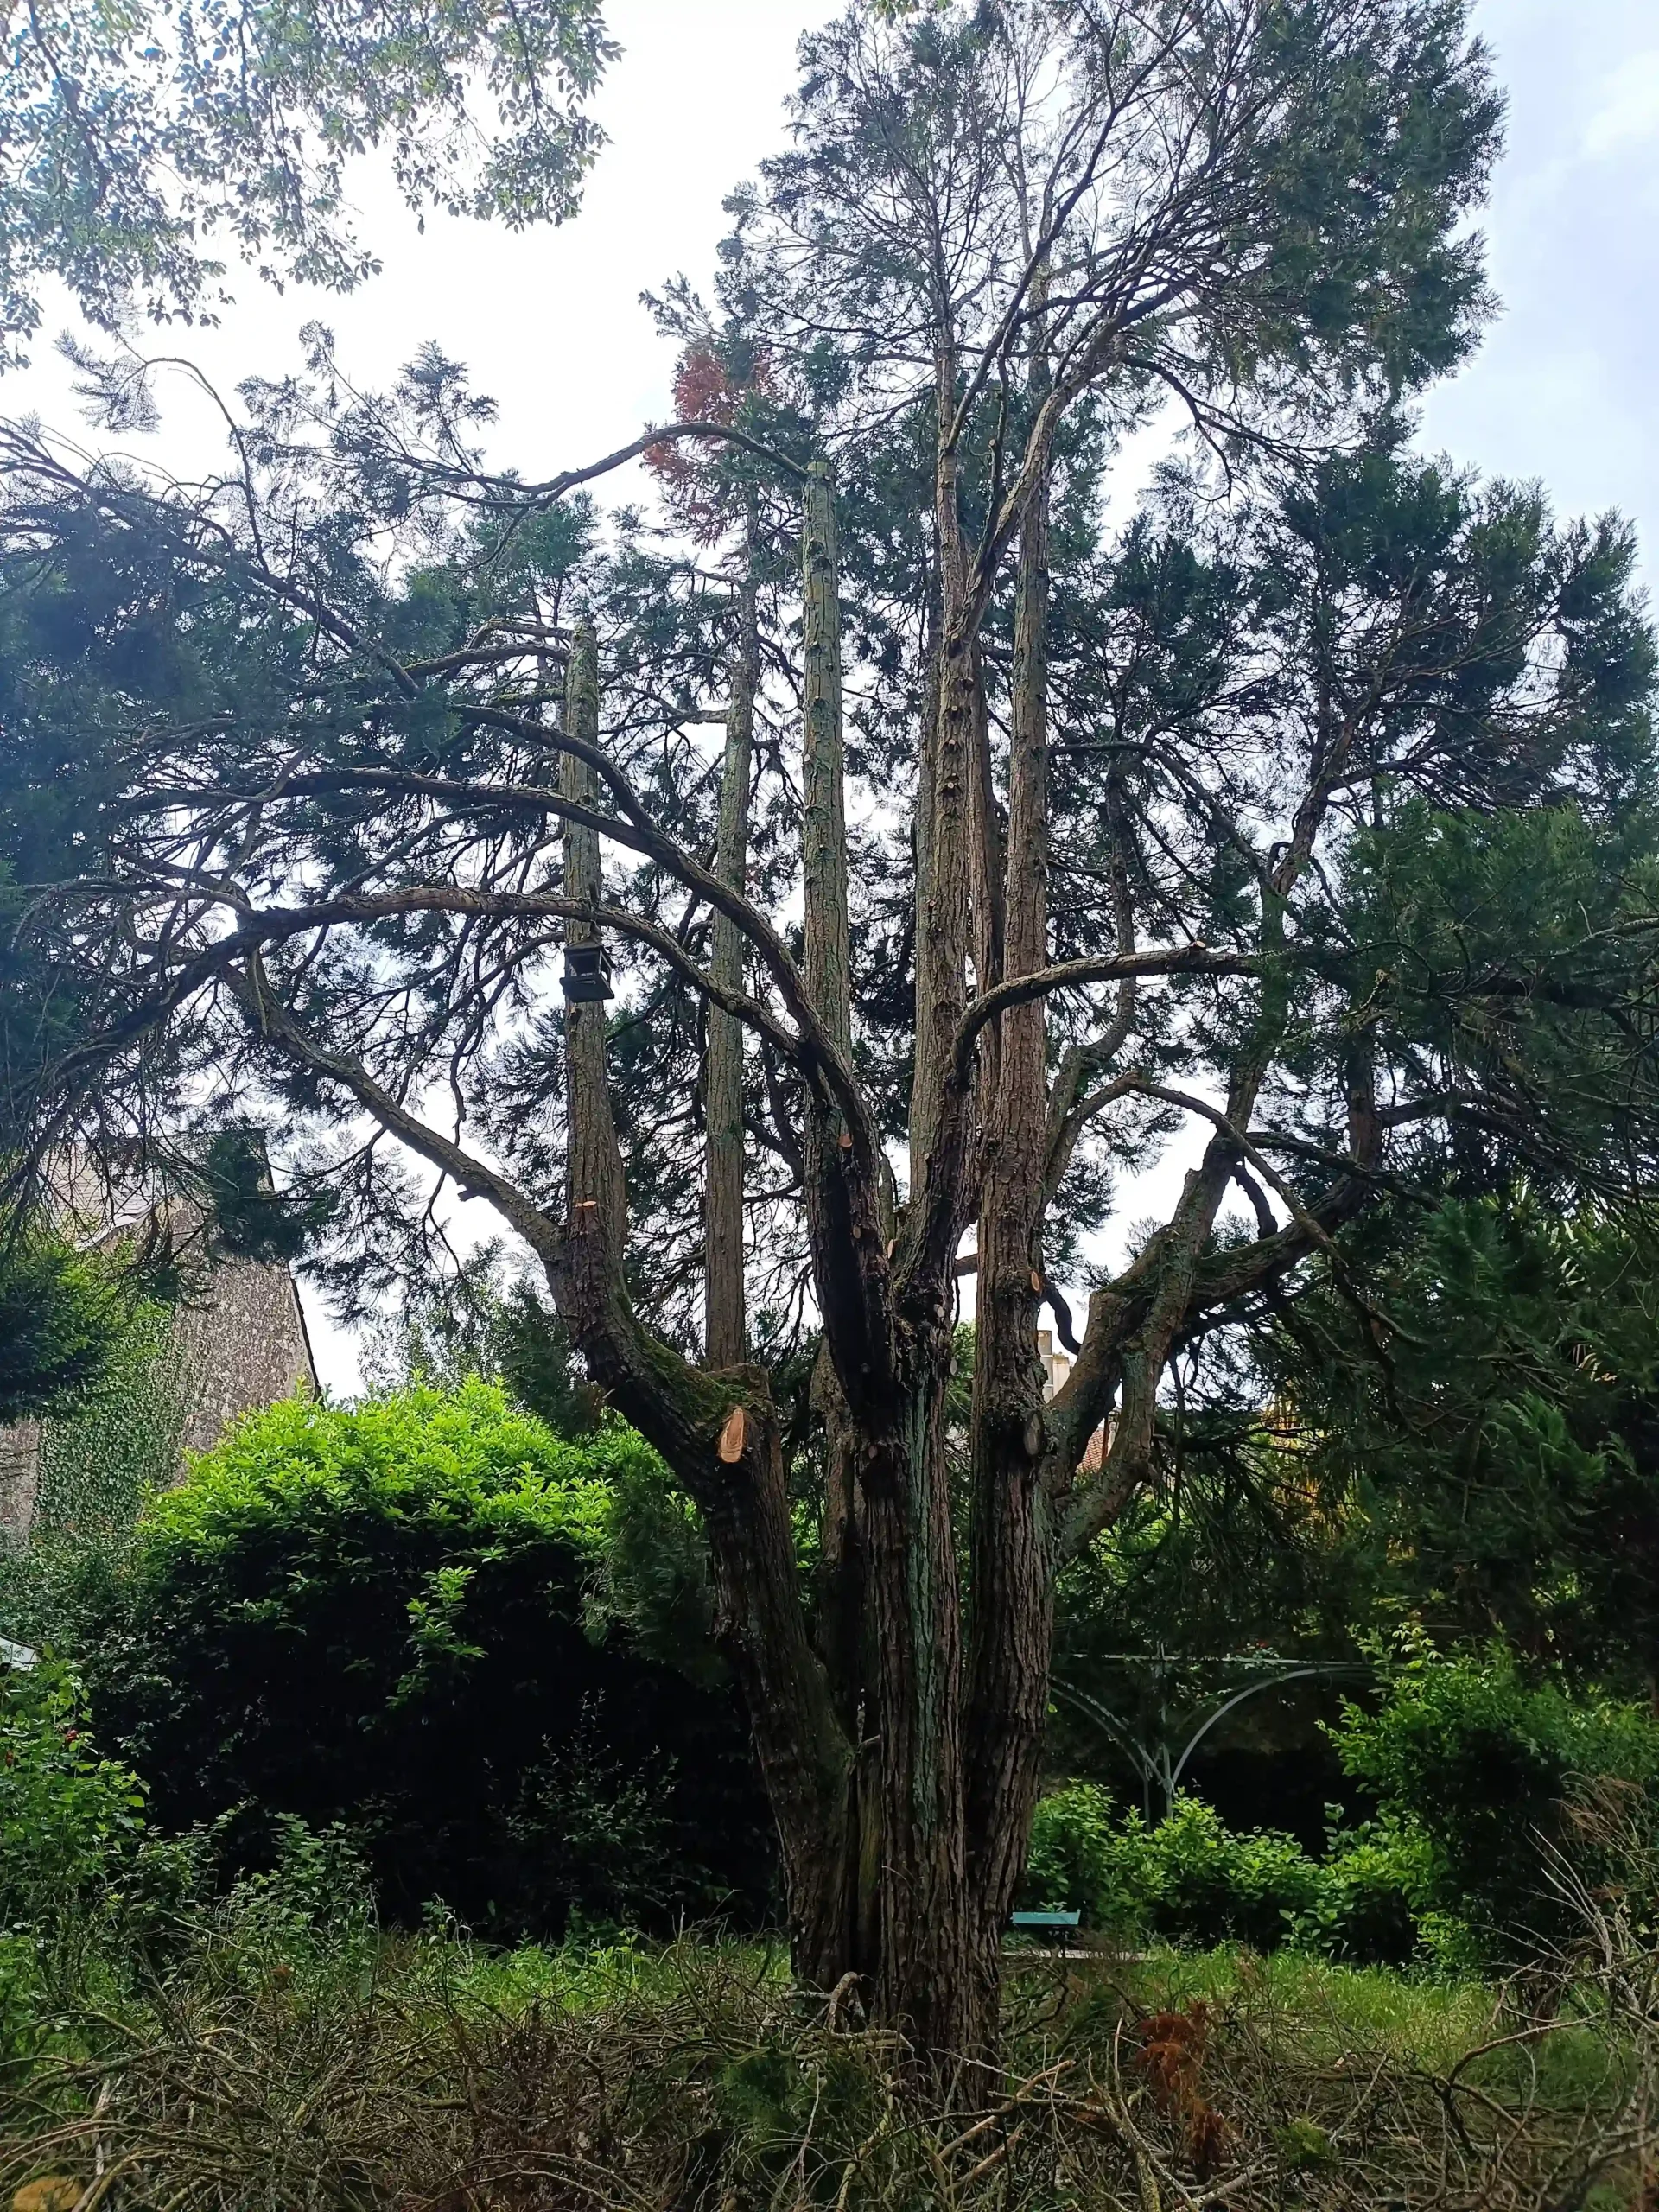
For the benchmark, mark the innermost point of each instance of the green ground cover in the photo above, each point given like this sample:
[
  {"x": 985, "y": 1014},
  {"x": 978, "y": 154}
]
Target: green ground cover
[{"x": 273, "y": 2047}]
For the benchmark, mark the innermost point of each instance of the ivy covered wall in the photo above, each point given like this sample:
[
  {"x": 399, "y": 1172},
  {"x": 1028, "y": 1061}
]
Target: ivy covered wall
[{"x": 100, "y": 1461}]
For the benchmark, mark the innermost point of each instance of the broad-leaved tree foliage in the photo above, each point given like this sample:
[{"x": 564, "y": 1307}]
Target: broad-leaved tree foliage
[
  {"x": 135, "y": 139},
  {"x": 1124, "y": 835}
]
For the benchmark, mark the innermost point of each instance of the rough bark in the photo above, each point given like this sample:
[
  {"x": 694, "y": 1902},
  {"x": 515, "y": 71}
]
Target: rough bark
[
  {"x": 846, "y": 1226},
  {"x": 845, "y": 1641},
  {"x": 726, "y": 1319},
  {"x": 944, "y": 920},
  {"x": 1011, "y": 1536},
  {"x": 823, "y": 809},
  {"x": 596, "y": 1196},
  {"x": 929, "y": 1977}
]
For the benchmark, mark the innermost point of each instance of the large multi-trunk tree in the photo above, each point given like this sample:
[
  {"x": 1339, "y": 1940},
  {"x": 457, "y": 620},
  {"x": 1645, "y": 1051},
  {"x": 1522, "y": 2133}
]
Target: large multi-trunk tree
[{"x": 363, "y": 763}]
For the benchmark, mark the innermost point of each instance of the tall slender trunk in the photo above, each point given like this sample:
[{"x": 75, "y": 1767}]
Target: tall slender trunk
[
  {"x": 850, "y": 1871},
  {"x": 944, "y": 920},
  {"x": 726, "y": 1319},
  {"x": 895, "y": 1619},
  {"x": 823, "y": 802},
  {"x": 1011, "y": 1534},
  {"x": 596, "y": 1195},
  {"x": 925, "y": 1047},
  {"x": 986, "y": 864},
  {"x": 926, "y": 1978}
]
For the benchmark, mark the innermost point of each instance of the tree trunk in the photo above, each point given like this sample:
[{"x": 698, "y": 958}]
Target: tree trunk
[
  {"x": 823, "y": 808},
  {"x": 891, "y": 1546},
  {"x": 861, "y": 1734},
  {"x": 927, "y": 1982},
  {"x": 595, "y": 1193},
  {"x": 725, "y": 1313},
  {"x": 1011, "y": 1536}
]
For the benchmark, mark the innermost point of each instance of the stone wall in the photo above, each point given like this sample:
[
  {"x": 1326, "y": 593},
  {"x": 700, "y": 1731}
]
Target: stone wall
[{"x": 240, "y": 1344}]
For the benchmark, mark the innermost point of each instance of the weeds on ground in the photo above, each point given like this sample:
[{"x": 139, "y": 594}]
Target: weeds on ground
[{"x": 271, "y": 2051}]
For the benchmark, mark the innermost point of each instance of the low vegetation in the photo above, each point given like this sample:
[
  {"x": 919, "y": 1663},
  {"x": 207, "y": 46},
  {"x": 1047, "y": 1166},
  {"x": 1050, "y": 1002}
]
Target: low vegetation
[
  {"x": 271, "y": 2047},
  {"x": 432, "y": 1620},
  {"x": 223, "y": 2014}
]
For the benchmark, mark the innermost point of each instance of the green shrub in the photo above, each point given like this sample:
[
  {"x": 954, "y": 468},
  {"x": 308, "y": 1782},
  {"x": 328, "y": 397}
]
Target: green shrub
[
  {"x": 66, "y": 1812},
  {"x": 1372, "y": 1902},
  {"x": 1480, "y": 1779},
  {"x": 380, "y": 1619},
  {"x": 1475, "y": 1771},
  {"x": 1209, "y": 1886},
  {"x": 1081, "y": 1860},
  {"x": 1191, "y": 1879},
  {"x": 57, "y": 1588}
]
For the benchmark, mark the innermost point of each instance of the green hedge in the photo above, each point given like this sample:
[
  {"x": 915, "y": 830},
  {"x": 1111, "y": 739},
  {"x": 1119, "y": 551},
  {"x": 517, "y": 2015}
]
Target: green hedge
[
  {"x": 385, "y": 1616},
  {"x": 1191, "y": 1879},
  {"x": 1489, "y": 1774}
]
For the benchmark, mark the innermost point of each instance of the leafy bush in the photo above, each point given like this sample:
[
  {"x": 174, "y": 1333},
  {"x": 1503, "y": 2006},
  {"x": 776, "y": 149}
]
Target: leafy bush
[
  {"x": 1189, "y": 1879},
  {"x": 1486, "y": 1786},
  {"x": 381, "y": 1617},
  {"x": 1371, "y": 1905},
  {"x": 66, "y": 1812},
  {"x": 1477, "y": 1769},
  {"x": 1192, "y": 1880},
  {"x": 1078, "y": 1861},
  {"x": 1208, "y": 1885}
]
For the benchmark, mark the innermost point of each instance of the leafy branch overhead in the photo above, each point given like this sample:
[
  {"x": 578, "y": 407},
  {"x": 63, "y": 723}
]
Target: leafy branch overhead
[{"x": 132, "y": 142}]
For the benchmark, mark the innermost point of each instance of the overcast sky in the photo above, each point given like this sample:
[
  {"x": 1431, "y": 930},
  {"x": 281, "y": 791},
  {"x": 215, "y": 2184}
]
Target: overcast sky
[{"x": 1563, "y": 388}]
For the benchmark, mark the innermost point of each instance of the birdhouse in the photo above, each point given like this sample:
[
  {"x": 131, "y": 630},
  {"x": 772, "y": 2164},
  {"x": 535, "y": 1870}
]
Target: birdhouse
[{"x": 587, "y": 975}]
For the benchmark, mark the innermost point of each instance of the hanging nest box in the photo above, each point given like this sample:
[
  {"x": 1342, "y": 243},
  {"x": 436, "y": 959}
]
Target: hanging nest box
[{"x": 587, "y": 975}]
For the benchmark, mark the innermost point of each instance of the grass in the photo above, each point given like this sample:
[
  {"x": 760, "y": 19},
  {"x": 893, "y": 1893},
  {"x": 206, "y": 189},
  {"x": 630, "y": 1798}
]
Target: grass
[
  {"x": 1420, "y": 2019},
  {"x": 1497, "y": 2034}
]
